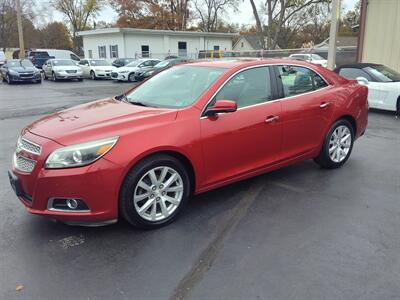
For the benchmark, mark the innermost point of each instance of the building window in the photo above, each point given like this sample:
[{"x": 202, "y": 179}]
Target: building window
[
  {"x": 145, "y": 51},
  {"x": 242, "y": 44},
  {"x": 182, "y": 49},
  {"x": 216, "y": 48},
  {"x": 90, "y": 53},
  {"x": 102, "y": 52},
  {"x": 114, "y": 51}
]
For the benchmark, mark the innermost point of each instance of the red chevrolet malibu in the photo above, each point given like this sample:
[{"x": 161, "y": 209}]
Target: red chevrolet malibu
[{"x": 189, "y": 129}]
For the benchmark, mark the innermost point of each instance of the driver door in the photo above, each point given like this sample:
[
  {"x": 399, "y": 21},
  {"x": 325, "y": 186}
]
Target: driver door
[
  {"x": 84, "y": 65},
  {"x": 248, "y": 139}
]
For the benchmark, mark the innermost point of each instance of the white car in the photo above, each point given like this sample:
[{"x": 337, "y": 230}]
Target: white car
[
  {"x": 2, "y": 58},
  {"x": 96, "y": 68},
  {"x": 383, "y": 84},
  {"x": 310, "y": 57},
  {"x": 127, "y": 73},
  {"x": 61, "y": 69}
]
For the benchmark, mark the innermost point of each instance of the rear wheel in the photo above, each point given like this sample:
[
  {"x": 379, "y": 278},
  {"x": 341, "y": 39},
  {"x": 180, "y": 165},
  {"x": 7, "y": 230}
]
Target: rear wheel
[
  {"x": 337, "y": 145},
  {"x": 154, "y": 191}
]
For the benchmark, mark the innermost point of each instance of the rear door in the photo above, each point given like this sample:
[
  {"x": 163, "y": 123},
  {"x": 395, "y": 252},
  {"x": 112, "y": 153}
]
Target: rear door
[
  {"x": 248, "y": 139},
  {"x": 306, "y": 109}
]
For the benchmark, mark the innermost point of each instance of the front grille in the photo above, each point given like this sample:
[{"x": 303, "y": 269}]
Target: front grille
[
  {"x": 71, "y": 71},
  {"x": 28, "y": 146},
  {"x": 25, "y": 75},
  {"x": 114, "y": 74},
  {"x": 24, "y": 164}
]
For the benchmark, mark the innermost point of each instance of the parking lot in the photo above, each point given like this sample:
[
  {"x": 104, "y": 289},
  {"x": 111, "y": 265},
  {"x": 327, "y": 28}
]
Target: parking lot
[{"x": 297, "y": 233}]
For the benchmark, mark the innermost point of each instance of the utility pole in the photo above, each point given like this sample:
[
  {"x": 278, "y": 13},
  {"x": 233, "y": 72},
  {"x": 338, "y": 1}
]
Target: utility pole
[
  {"x": 333, "y": 33},
  {"x": 20, "y": 32}
]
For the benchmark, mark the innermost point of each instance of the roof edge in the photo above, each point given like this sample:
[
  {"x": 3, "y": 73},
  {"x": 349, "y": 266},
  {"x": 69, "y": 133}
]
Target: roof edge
[{"x": 154, "y": 31}]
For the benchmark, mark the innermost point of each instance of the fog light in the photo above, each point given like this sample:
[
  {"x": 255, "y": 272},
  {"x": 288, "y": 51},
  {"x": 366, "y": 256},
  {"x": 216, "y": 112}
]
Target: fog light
[{"x": 72, "y": 203}]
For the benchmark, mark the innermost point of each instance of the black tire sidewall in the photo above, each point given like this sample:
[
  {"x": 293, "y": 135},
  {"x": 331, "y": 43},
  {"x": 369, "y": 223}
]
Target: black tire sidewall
[
  {"x": 92, "y": 75},
  {"x": 324, "y": 159},
  {"x": 129, "y": 77},
  {"x": 126, "y": 204}
]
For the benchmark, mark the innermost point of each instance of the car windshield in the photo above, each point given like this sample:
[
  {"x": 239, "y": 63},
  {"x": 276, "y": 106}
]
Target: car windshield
[
  {"x": 162, "y": 64},
  {"x": 19, "y": 63},
  {"x": 176, "y": 87},
  {"x": 99, "y": 62},
  {"x": 316, "y": 57},
  {"x": 383, "y": 73},
  {"x": 64, "y": 62},
  {"x": 134, "y": 63}
]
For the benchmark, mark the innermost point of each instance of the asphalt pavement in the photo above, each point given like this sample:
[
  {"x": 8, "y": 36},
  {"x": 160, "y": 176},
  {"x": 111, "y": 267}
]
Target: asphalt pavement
[{"x": 297, "y": 233}]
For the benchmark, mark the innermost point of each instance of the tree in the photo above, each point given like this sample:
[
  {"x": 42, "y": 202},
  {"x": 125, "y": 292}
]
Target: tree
[
  {"x": 55, "y": 35},
  {"x": 209, "y": 12},
  {"x": 78, "y": 13},
  {"x": 279, "y": 14}
]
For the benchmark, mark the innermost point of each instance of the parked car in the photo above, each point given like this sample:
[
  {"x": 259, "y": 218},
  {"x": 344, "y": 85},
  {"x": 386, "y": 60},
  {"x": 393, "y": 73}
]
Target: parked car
[
  {"x": 310, "y": 57},
  {"x": 383, "y": 84},
  {"x": 96, "y": 68},
  {"x": 18, "y": 70},
  {"x": 120, "y": 62},
  {"x": 38, "y": 57},
  {"x": 162, "y": 65},
  {"x": 61, "y": 54},
  {"x": 2, "y": 58},
  {"x": 128, "y": 72},
  {"x": 61, "y": 69},
  {"x": 186, "y": 130}
]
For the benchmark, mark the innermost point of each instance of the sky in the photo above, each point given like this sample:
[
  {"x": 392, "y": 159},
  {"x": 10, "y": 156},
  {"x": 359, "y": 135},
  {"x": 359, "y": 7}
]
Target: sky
[{"x": 244, "y": 15}]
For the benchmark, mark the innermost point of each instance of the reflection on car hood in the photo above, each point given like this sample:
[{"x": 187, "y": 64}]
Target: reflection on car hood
[
  {"x": 23, "y": 69},
  {"x": 63, "y": 68},
  {"x": 103, "y": 68},
  {"x": 97, "y": 119}
]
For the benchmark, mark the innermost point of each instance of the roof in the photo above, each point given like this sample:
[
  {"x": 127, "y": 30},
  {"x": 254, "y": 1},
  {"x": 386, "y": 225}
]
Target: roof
[
  {"x": 254, "y": 41},
  {"x": 341, "y": 41},
  {"x": 155, "y": 32}
]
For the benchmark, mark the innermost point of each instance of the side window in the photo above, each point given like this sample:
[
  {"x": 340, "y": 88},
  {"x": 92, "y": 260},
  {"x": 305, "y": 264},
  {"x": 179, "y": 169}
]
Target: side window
[
  {"x": 299, "y": 80},
  {"x": 74, "y": 57},
  {"x": 83, "y": 62},
  {"x": 248, "y": 87},
  {"x": 353, "y": 73}
]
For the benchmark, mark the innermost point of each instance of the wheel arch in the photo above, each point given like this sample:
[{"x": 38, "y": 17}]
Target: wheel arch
[{"x": 351, "y": 120}]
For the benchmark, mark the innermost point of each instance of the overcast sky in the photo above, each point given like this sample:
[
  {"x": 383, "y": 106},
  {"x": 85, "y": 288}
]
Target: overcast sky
[{"x": 243, "y": 16}]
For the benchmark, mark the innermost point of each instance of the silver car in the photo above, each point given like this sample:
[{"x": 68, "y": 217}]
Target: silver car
[{"x": 61, "y": 69}]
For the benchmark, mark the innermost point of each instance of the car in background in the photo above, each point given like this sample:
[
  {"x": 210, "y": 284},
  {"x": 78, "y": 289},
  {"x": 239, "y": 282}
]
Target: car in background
[
  {"x": 128, "y": 72},
  {"x": 2, "y": 58},
  {"x": 38, "y": 58},
  {"x": 162, "y": 65},
  {"x": 383, "y": 84},
  {"x": 120, "y": 62},
  {"x": 61, "y": 69},
  {"x": 187, "y": 130},
  {"x": 96, "y": 68},
  {"x": 61, "y": 54},
  {"x": 310, "y": 57},
  {"x": 20, "y": 70}
]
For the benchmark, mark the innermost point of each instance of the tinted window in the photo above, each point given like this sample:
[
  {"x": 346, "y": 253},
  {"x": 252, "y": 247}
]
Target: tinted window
[
  {"x": 299, "y": 80},
  {"x": 74, "y": 57},
  {"x": 353, "y": 73},
  {"x": 248, "y": 87}
]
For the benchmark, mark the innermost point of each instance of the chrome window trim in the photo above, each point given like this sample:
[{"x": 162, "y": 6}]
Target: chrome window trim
[
  {"x": 272, "y": 101},
  {"x": 51, "y": 208},
  {"x": 30, "y": 142}
]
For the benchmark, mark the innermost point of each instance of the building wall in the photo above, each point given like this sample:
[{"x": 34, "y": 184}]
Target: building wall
[
  {"x": 382, "y": 33},
  {"x": 160, "y": 45}
]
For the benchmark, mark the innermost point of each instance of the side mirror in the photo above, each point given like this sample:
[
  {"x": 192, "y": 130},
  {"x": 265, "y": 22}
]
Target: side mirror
[
  {"x": 362, "y": 80},
  {"x": 222, "y": 106}
]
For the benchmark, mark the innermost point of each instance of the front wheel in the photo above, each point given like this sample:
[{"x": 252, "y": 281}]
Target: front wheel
[
  {"x": 154, "y": 192},
  {"x": 92, "y": 75},
  {"x": 131, "y": 77},
  {"x": 54, "y": 77},
  {"x": 337, "y": 145}
]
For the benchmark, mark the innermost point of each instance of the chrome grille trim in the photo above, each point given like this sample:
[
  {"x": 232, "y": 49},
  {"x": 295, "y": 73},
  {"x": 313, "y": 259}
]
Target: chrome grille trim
[
  {"x": 29, "y": 146},
  {"x": 24, "y": 164}
]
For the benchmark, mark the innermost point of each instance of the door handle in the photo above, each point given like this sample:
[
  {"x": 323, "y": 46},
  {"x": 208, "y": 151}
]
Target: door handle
[
  {"x": 324, "y": 104},
  {"x": 271, "y": 119}
]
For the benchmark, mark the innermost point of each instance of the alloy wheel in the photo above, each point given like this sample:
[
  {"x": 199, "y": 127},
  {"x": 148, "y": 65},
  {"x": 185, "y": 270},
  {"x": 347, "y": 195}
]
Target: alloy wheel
[
  {"x": 158, "y": 193},
  {"x": 340, "y": 143},
  {"x": 131, "y": 77}
]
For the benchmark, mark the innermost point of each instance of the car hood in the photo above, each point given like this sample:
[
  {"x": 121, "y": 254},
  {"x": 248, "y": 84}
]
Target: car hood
[
  {"x": 128, "y": 69},
  {"x": 98, "y": 119},
  {"x": 23, "y": 69},
  {"x": 104, "y": 68}
]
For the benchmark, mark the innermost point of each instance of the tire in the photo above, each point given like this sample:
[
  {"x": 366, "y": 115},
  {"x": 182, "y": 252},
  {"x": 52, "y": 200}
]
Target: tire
[
  {"x": 54, "y": 77},
  {"x": 134, "y": 197},
  {"x": 338, "y": 156},
  {"x": 38, "y": 81},
  {"x": 80, "y": 79},
  {"x": 9, "y": 81},
  {"x": 93, "y": 75},
  {"x": 45, "y": 76},
  {"x": 131, "y": 77},
  {"x": 398, "y": 107}
]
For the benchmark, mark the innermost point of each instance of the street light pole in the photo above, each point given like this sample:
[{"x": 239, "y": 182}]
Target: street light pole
[
  {"x": 333, "y": 33},
  {"x": 20, "y": 32}
]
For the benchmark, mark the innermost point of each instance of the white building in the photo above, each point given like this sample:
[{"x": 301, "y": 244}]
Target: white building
[{"x": 112, "y": 43}]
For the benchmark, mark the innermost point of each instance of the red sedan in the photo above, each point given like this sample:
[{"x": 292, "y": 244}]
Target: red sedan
[{"x": 189, "y": 129}]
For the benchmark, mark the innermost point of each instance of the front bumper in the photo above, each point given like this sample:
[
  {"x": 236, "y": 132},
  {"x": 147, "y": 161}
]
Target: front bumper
[
  {"x": 64, "y": 75},
  {"x": 120, "y": 76},
  {"x": 96, "y": 184},
  {"x": 22, "y": 78},
  {"x": 103, "y": 74}
]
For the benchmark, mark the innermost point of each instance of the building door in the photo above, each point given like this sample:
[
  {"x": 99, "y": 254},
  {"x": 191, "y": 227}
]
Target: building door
[
  {"x": 182, "y": 49},
  {"x": 145, "y": 51}
]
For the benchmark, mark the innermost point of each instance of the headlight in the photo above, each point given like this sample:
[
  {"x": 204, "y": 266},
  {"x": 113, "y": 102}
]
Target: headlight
[
  {"x": 80, "y": 154},
  {"x": 12, "y": 72}
]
